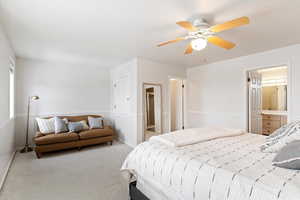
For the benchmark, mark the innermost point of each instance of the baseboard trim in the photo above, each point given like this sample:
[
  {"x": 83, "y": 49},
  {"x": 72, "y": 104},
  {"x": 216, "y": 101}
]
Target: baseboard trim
[
  {"x": 125, "y": 142},
  {"x": 130, "y": 145},
  {"x": 7, "y": 170}
]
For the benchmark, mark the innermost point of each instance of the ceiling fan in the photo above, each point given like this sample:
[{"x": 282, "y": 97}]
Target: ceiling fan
[{"x": 200, "y": 33}]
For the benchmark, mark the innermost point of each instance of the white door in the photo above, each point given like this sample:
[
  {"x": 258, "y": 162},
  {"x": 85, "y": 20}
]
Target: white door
[
  {"x": 121, "y": 95},
  {"x": 176, "y": 104},
  {"x": 255, "y": 102}
]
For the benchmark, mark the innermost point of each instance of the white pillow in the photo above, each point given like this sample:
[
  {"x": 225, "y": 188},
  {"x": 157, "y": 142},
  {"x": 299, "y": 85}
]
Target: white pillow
[
  {"x": 46, "y": 125},
  {"x": 282, "y": 137},
  {"x": 95, "y": 122}
]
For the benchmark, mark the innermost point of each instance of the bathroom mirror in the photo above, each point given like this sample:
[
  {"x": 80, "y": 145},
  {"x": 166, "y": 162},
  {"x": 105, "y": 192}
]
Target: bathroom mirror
[
  {"x": 274, "y": 98},
  {"x": 152, "y": 109}
]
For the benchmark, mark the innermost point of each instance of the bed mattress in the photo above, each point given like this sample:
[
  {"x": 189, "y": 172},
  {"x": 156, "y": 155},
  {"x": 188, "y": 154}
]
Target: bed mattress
[{"x": 231, "y": 168}]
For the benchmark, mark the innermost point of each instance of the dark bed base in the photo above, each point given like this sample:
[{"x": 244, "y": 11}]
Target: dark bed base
[{"x": 136, "y": 194}]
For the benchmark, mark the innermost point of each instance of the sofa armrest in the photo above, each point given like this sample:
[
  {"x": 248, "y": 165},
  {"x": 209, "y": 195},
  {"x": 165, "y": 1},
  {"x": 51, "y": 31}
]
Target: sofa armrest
[
  {"x": 113, "y": 131},
  {"x": 38, "y": 134}
]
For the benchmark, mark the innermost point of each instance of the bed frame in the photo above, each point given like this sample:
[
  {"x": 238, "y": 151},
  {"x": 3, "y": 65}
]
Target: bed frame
[{"x": 136, "y": 194}]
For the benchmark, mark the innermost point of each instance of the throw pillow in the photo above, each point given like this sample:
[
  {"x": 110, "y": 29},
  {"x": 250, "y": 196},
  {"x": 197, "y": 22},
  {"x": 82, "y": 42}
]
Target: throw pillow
[
  {"x": 282, "y": 137},
  {"x": 95, "y": 122},
  {"x": 85, "y": 125},
  {"x": 60, "y": 125},
  {"x": 46, "y": 126},
  {"x": 289, "y": 156},
  {"x": 75, "y": 127}
]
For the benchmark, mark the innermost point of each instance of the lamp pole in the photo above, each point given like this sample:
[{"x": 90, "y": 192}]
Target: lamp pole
[{"x": 27, "y": 148}]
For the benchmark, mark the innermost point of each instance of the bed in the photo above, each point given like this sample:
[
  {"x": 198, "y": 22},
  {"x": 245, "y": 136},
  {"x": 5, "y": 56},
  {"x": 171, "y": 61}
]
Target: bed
[{"x": 231, "y": 168}]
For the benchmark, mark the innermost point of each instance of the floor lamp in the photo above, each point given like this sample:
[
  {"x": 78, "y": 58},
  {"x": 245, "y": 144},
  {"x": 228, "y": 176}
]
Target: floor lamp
[{"x": 27, "y": 148}]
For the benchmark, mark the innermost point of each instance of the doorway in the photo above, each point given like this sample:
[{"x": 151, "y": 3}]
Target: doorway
[
  {"x": 152, "y": 108},
  {"x": 267, "y": 99},
  {"x": 176, "y": 102}
]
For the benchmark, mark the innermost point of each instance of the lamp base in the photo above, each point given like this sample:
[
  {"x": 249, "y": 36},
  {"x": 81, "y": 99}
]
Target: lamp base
[{"x": 26, "y": 149}]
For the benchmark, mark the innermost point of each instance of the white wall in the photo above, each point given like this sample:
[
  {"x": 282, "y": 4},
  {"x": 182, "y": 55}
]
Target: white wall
[
  {"x": 217, "y": 92},
  {"x": 124, "y": 101},
  {"x": 7, "y": 143},
  {"x": 153, "y": 72},
  {"x": 63, "y": 89},
  {"x": 76, "y": 89},
  {"x": 128, "y": 120}
]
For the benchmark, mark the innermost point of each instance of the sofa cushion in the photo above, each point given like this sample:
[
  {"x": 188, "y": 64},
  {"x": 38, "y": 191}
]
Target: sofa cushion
[
  {"x": 93, "y": 133},
  {"x": 56, "y": 138}
]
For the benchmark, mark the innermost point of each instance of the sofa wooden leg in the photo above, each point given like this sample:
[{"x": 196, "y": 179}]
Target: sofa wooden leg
[
  {"x": 111, "y": 143},
  {"x": 38, "y": 154},
  {"x": 78, "y": 148}
]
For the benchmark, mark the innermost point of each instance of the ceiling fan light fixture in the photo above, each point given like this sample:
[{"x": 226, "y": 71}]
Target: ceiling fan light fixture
[
  {"x": 200, "y": 33},
  {"x": 199, "y": 44}
]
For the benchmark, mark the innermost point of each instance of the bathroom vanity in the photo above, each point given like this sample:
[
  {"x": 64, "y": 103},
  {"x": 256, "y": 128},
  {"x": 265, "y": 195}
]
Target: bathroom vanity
[{"x": 273, "y": 120}]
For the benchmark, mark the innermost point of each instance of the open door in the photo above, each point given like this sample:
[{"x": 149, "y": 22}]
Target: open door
[
  {"x": 255, "y": 102},
  {"x": 176, "y": 102}
]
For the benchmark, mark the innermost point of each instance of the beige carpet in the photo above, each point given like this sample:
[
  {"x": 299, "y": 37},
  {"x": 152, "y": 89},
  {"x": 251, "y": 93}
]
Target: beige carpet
[
  {"x": 90, "y": 174},
  {"x": 149, "y": 134}
]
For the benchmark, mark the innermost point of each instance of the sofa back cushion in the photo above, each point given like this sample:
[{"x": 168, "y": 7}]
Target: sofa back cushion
[
  {"x": 79, "y": 118},
  {"x": 75, "y": 118}
]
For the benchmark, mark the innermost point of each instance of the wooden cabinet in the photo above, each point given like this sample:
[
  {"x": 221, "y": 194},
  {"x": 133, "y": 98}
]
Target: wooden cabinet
[{"x": 272, "y": 122}]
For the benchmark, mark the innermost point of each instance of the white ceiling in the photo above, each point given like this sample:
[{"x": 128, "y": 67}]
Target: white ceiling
[{"x": 109, "y": 32}]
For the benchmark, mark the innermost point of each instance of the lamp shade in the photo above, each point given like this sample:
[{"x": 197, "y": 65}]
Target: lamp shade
[{"x": 35, "y": 98}]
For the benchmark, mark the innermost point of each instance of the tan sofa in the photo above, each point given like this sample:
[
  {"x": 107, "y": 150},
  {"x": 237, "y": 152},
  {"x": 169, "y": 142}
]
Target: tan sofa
[{"x": 54, "y": 142}]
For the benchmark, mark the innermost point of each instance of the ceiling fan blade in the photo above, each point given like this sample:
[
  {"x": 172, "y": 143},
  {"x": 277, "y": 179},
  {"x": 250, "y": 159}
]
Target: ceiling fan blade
[
  {"x": 171, "y": 41},
  {"x": 189, "y": 49},
  {"x": 220, "y": 42},
  {"x": 231, "y": 24},
  {"x": 187, "y": 25}
]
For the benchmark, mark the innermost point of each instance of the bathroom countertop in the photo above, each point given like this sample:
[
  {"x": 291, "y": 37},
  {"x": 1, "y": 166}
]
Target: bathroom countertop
[{"x": 274, "y": 112}]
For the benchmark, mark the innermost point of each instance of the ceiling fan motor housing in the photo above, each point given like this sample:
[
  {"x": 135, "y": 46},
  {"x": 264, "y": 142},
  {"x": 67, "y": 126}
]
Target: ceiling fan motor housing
[
  {"x": 203, "y": 30},
  {"x": 200, "y": 23}
]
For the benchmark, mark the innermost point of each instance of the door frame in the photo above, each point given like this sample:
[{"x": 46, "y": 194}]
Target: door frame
[
  {"x": 249, "y": 82},
  {"x": 143, "y": 104},
  {"x": 289, "y": 87},
  {"x": 148, "y": 105}
]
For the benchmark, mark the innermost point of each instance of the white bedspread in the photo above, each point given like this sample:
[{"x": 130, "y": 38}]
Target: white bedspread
[
  {"x": 195, "y": 135},
  {"x": 231, "y": 168}
]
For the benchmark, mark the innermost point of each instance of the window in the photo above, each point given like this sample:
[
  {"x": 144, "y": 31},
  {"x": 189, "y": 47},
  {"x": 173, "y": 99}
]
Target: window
[{"x": 11, "y": 91}]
